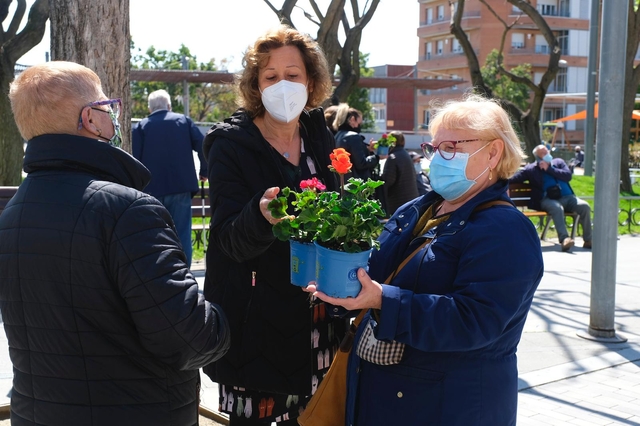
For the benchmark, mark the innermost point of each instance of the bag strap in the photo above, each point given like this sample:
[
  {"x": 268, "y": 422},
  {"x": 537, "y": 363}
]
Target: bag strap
[{"x": 347, "y": 342}]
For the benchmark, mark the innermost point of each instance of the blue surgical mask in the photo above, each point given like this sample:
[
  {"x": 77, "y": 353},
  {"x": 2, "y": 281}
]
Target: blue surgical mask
[
  {"x": 449, "y": 177},
  {"x": 547, "y": 158}
]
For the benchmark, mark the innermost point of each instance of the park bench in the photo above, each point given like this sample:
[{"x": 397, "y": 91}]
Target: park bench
[
  {"x": 200, "y": 210},
  {"x": 520, "y": 194},
  {"x": 6, "y": 193}
]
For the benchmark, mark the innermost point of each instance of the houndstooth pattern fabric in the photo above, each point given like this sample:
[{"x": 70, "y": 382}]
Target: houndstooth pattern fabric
[{"x": 377, "y": 351}]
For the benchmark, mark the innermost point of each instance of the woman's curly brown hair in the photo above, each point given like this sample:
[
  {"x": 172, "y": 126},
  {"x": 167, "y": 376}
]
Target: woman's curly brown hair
[{"x": 257, "y": 57}]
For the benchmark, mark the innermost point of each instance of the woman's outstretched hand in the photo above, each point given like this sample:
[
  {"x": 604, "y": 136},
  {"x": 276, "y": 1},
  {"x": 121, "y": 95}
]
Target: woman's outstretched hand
[{"x": 370, "y": 295}]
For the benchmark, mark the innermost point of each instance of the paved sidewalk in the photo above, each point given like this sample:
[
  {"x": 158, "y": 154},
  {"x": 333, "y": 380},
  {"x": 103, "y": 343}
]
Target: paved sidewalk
[{"x": 564, "y": 379}]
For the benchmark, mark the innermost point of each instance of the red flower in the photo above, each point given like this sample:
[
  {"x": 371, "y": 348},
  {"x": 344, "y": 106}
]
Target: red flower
[
  {"x": 384, "y": 136},
  {"x": 313, "y": 184},
  {"x": 340, "y": 161}
]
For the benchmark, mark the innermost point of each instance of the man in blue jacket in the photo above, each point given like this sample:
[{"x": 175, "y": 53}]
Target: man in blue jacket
[
  {"x": 545, "y": 175},
  {"x": 164, "y": 142}
]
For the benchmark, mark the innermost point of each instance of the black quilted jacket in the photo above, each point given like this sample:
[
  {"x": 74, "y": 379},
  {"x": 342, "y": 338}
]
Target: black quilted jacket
[
  {"x": 104, "y": 320},
  {"x": 248, "y": 269}
]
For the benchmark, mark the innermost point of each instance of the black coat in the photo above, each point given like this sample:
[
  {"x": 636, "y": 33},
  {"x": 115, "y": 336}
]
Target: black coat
[
  {"x": 248, "y": 271},
  {"x": 364, "y": 162},
  {"x": 399, "y": 178},
  {"x": 104, "y": 320}
]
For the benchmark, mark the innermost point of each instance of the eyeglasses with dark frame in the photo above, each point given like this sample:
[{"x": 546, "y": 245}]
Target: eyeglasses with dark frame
[
  {"x": 115, "y": 106},
  {"x": 447, "y": 149}
]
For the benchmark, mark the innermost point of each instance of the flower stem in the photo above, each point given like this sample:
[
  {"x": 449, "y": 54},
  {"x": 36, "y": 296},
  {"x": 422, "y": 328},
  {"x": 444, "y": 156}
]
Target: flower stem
[{"x": 341, "y": 185}]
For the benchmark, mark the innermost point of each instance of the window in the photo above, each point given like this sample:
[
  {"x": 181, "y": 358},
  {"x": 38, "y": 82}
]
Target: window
[
  {"x": 439, "y": 47},
  {"x": 426, "y": 119},
  {"x": 541, "y": 44},
  {"x": 440, "y": 13},
  {"x": 429, "y": 16},
  {"x": 428, "y": 51},
  {"x": 563, "y": 41},
  {"x": 561, "y": 80},
  {"x": 454, "y": 77},
  {"x": 517, "y": 41},
  {"x": 455, "y": 47}
]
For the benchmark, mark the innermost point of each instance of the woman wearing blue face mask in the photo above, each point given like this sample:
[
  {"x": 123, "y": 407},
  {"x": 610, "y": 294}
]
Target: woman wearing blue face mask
[
  {"x": 449, "y": 289},
  {"x": 280, "y": 345}
]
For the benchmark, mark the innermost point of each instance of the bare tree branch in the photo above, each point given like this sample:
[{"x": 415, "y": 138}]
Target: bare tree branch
[
  {"x": 31, "y": 34},
  {"x": 17, "y": 18}
]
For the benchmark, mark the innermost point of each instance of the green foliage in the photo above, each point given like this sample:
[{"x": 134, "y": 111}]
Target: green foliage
[
  {"x": 207, "y": 102},
  {"x": 502, "y": 86},
  {"x": 359, "y": 96},
  {"x": 386, "y": 140},
  {"x": 349, "y": 223}
]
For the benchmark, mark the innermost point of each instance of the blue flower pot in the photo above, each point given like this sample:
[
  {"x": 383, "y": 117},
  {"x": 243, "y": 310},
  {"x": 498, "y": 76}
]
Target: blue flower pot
[
  {"x": 383, "y": 150},
  {"x": 337, "y": 271},
  {"x": 303, "y": 263}
]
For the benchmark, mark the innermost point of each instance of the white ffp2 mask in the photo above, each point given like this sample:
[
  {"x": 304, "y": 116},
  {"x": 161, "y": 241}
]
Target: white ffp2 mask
[{"x": 285, "y": 100}]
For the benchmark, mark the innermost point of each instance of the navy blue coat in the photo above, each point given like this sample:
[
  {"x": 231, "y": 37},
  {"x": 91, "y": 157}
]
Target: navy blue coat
[
  {"x": 459, "y": 306},
  {"x": 104, "y": 321},
  {"x": 164, "y": 142},
  {"x": 535, "y": 175}
]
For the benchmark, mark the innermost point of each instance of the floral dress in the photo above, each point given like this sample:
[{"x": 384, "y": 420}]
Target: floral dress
[{"x": 255, "y": 407}]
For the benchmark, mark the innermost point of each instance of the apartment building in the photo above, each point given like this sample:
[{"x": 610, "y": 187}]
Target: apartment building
[{"x": 441, "y": 56}]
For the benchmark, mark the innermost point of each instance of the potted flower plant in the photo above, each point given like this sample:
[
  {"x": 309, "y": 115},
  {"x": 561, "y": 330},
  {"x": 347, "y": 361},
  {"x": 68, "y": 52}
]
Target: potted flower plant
[
  {"x": 385, "y": 142},
  {"x": 300, "y": 230},
  {"x": 343, "y": 225}
]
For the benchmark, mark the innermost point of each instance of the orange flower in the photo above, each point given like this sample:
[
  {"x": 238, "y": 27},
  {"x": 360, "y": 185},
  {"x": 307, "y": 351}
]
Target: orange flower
[{"x": 340, "y": 161}]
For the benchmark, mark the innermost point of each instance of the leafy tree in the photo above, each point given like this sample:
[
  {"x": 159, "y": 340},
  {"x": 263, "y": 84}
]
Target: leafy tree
[
  {"x": 527, "y": 120},
  {"x": 501, "y": 85},
  {"x": 345, "y": 55},
  {"x": 359, "y": 96},
  {"x": 207, "y": 101},
  {"x": 13, "y": 45}
]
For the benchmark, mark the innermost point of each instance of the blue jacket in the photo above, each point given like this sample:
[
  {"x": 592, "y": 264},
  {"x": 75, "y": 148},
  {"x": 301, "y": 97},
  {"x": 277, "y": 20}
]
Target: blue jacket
[
  {"x": 459, "y": 306},
  {"x": 164, "y": 142},
  {"x": 535, "y": 175}
]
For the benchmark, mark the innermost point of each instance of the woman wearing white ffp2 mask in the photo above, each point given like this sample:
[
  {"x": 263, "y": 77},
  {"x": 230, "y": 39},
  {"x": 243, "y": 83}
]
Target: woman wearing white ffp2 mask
[{"x": 277, "y": 139}]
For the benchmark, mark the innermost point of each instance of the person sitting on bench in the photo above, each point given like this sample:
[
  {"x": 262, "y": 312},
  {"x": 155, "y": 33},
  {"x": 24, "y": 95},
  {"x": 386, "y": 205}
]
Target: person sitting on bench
[{"x": 551, "y": 192}]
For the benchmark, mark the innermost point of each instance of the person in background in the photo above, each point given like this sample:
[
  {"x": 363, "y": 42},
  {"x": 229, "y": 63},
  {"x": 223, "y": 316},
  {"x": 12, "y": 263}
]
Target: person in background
[
  {"x": 330, "y": 116},
  {"x": 422, "y": 179},
  {"x": 281, "y": 344},
  {"x": 165, "y": 142},
  {"x": 399, "y": 176},
  {"x": 438, "y": 345},
  {"x": 579, "y": 156},
  {"x": 103, "y": 317},
  {"x": 348, "y": 126},
  {"x": 545, "y": 175}
]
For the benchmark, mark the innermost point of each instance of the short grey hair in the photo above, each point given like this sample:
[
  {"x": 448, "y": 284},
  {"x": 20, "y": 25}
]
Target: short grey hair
[{"x": 159, "y": 99}]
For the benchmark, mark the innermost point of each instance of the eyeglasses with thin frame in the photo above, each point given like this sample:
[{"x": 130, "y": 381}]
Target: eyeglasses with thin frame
[
  {"x": 115, "y": 106},
  {"x": 447, "y": 149}
]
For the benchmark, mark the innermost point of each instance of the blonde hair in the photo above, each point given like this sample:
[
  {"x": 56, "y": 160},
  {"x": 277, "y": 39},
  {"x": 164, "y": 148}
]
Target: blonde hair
[
  {"x": 257, "y": 57},
  {"x": 343, "y": 113},
  {"x": 48, "y": 98},
  {"x": 489, "y": 121}
]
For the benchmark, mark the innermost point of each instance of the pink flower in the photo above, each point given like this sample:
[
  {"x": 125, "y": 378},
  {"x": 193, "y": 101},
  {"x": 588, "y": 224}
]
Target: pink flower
[{"x": 313, "y": 184}]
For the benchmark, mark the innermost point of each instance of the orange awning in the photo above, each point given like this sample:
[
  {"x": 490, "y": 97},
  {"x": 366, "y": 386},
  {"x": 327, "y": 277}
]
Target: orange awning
[{"x": 635, "y": 115}]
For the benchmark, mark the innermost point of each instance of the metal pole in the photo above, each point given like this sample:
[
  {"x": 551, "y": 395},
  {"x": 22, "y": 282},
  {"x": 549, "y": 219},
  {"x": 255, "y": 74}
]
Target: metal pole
[
  {"x": 589, "y": 132},
  {"x": 185, "y": 87},
  {"x": 611, "y": 83}
]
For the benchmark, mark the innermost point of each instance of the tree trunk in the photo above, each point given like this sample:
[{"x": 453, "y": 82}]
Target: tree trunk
[
  {"x": 631, "y": 81},
  {"x": 347, "y": 56},
  {"x": 96, "y": 35},
  {"x": 13, "y": 45}
]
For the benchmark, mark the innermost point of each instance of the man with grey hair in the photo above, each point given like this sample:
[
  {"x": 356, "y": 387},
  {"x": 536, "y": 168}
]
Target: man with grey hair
[
  {"x": 164, "y": 142},
  {"x": 549, "y": 179}
]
